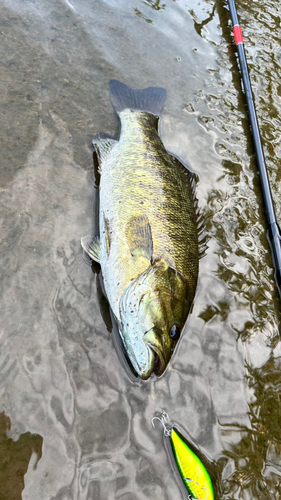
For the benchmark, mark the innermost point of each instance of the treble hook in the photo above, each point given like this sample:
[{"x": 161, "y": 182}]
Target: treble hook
[{"x": 165, "y": 421}]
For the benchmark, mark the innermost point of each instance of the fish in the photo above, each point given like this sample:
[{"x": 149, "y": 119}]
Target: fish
[
  {"x": 194, "y": 474},
  {"x": 151, "y": 233}
]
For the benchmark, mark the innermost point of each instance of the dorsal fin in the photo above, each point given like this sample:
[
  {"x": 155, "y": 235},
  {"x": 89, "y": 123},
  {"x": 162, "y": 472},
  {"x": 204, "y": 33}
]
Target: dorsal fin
[{"x": 190, "y": 177}]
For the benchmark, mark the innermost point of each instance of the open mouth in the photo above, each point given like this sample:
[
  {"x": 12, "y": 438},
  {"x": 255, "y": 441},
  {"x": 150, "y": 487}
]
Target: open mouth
[
  {"x": 157, "y": 365},
  {"x": 154, "y": 341},
  {"x": 159, "y": 362}
]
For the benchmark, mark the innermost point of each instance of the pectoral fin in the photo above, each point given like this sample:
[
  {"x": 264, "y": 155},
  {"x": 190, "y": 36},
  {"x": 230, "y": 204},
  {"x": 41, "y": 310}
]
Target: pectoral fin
[
  {"x": 139, "y": 237},
  {"x": 107, "y": 233},
  {"x": 92, "y": 247}
]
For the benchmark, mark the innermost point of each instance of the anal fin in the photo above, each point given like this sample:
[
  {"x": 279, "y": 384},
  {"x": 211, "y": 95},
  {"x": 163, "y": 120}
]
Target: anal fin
[
  {"x": 92, "y": 246},
  {"x": 103, "y": 144}
]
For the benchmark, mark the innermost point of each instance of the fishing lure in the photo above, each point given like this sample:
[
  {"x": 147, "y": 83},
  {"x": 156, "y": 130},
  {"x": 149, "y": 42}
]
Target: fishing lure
[{"x": 193, "y": 473}]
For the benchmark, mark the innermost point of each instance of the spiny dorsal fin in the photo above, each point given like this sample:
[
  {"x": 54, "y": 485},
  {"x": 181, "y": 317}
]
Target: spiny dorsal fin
[
  {"x": 202, "y": 236},
  {"x": 189, "y": 175},
  {"x": 92, "y": 247},
  {"x": 139, "y": 237},
  {"x": 202, "y": 243},
  {"x": 102, "y": 144}
]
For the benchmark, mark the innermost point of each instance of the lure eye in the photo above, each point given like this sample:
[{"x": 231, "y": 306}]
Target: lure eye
[{"x": 175, "y": 332}]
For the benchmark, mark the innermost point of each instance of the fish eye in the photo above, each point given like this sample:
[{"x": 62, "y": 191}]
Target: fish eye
[{"x": 175, "y": 332}]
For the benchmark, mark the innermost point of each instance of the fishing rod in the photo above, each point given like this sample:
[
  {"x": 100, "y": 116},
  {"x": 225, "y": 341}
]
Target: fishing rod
[{"x": 273, "y": 231}]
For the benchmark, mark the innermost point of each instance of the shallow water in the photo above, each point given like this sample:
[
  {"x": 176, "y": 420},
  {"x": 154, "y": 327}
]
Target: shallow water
[{"x": 63, "y": 387}]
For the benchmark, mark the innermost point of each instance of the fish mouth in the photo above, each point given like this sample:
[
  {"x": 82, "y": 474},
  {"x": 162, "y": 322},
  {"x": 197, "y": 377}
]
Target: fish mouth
[
  {"x": 153, "y": 339},
  {"x": 145, "y": 370},
  {"x": 146, "y": 354},
  {"x": 159, "y": 363},
  {"x": 156, "y": 363},
  {"x": 139, "y": 354}
]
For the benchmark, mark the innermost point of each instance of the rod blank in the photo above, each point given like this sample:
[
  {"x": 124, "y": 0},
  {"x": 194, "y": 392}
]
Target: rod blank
[{"x": 273, "y": 230}]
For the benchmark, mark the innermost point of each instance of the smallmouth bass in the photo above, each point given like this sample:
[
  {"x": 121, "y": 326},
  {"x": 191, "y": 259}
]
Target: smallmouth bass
[{"x": 151, "y": 234}]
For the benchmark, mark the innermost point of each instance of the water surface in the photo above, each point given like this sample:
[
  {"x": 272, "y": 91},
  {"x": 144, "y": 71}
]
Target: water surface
[{"x": 61, "y": 378}]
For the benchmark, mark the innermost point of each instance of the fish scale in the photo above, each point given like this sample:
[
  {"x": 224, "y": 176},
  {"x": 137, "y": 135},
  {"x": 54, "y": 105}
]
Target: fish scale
[{"x": 162, "y": 188}]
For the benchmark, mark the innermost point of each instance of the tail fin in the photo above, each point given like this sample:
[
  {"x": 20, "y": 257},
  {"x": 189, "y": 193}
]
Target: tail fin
[{"x": 151, "y": 100}]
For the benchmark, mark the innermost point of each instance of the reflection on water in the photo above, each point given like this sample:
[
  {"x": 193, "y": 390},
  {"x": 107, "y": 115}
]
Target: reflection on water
[
  {"x": 200, "y": 25},
  {"x": 14, "y": 459},
  {"x": 142, "y": 16},
  {"x": 60, "y": 375},
  {"x": 257, "y": 456},
  {"x": 157, "y": 5}
]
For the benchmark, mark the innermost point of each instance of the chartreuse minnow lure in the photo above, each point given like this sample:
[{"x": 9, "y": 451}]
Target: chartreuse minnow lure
[{"x": 192, "y": 471}]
